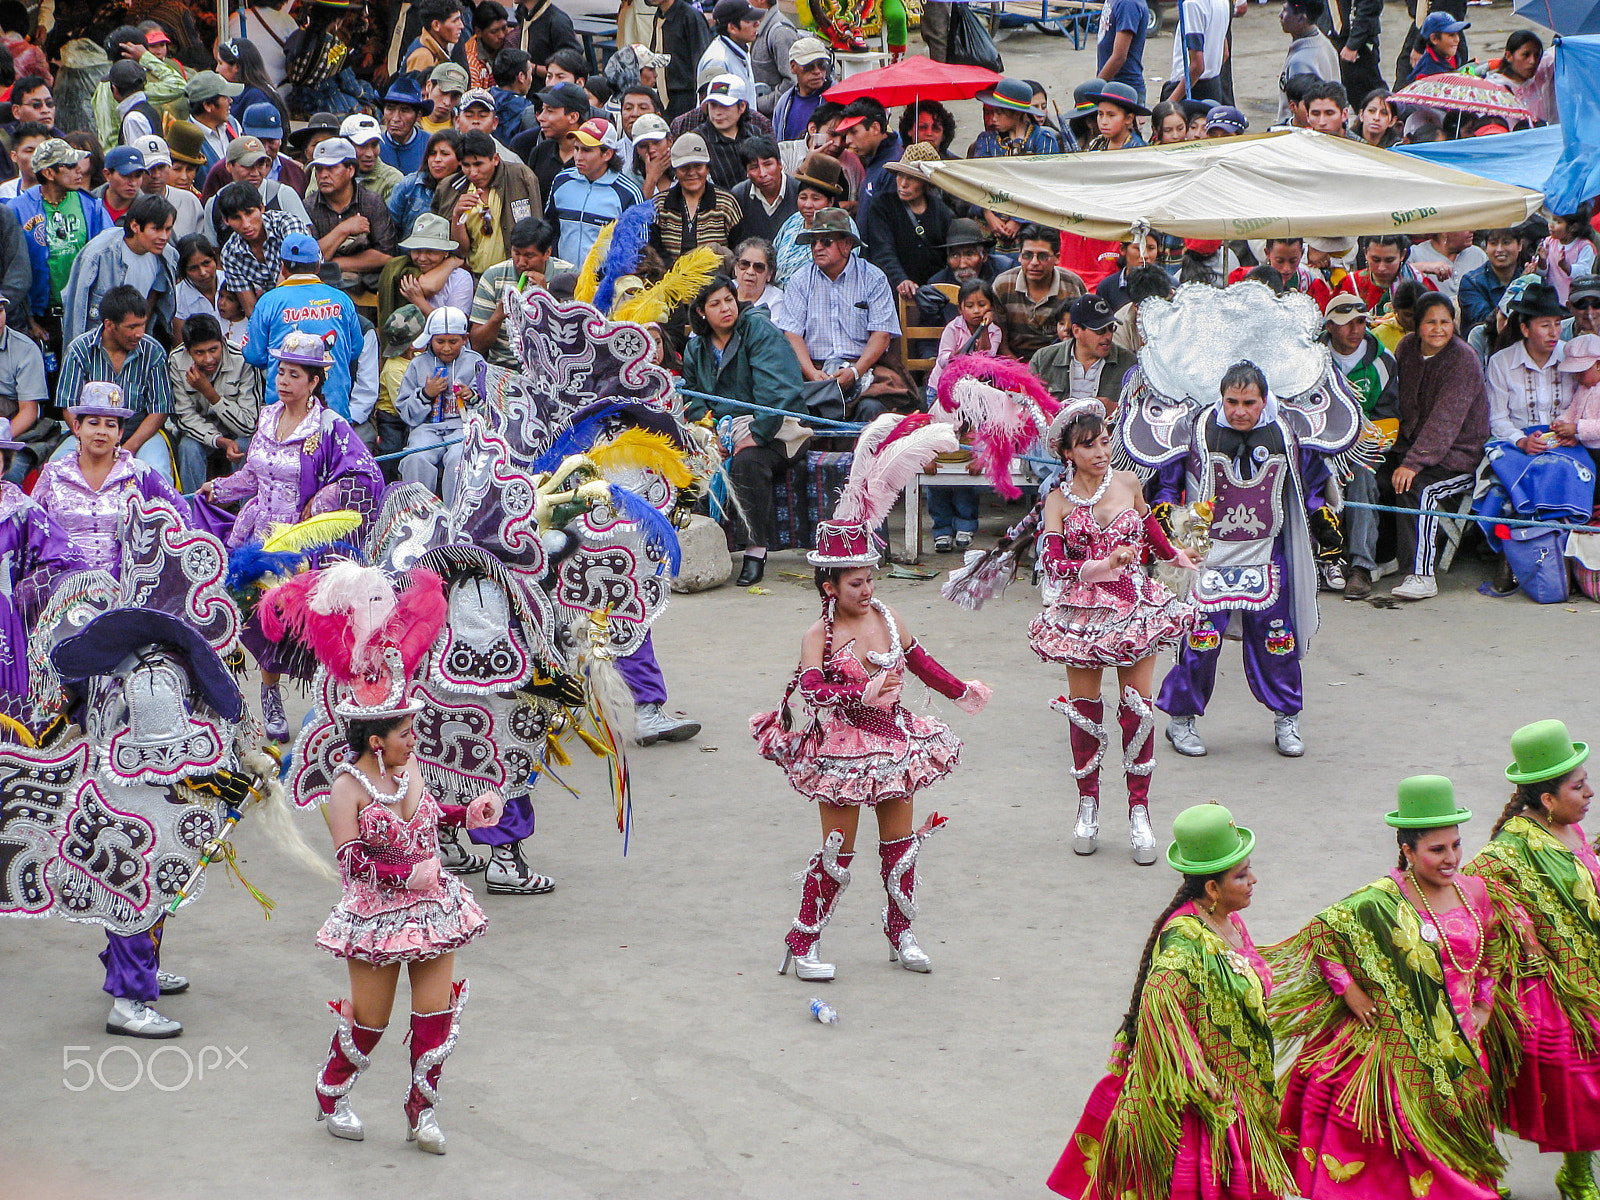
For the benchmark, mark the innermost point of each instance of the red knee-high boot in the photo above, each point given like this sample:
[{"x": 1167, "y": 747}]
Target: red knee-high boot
[
  {"x": 1138, "y": 720},
  {"x": 1089, "y": 740},
  {"x": 433, "y": 1037},
  {"x": 900, "y": 884},
  {"x": 348, "y": 1056},
  {"x": 824, "y": 881}
]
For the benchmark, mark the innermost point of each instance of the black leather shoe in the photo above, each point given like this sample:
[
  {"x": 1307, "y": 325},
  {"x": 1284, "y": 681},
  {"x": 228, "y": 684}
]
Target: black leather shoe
[{"x": 752, "y": 570}]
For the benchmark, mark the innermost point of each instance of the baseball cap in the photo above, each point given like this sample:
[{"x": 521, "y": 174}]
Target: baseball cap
[
  {"x": 300, "y": 249},
  {"x": 1205, "y": 247},
  {"x": 1092, "y": 312},
  {"x": 154, "y": 150},
  {"x": 450, "y": 77},
  {"x": 650, "y": 127},
  {"x": 807, "y": 50},
  {"x": 568, "y": 96},
  {"x": 124, "y": 160},
  {"x": 597, "y": 131},
  {"x": 247, "y": 151},
  {"x": 1442, "y": 22},
  {"x": 730, "y": 12},
  {"x": 360, "y": 130},
  {"x": 1583, "y": 287},
  {"x": 155, "y": 37},
  {"x": 208, "y": 85},
  {"x": 126, "y": 75},
  {"x": 726, "y": 90},
  {"x": 690, "y": 148},
  {"x": 263, "y": 120},
  {"x": 1343, "y": 309},
  {"x": 478, "y": 96},
  {"x": 1581, "y": 353},
  {"x": 332, "y": 152},
  {"x": 442, "y": 321},
  {"x": 402, "y": 328},
  {"x": 1225, "y": 116}
]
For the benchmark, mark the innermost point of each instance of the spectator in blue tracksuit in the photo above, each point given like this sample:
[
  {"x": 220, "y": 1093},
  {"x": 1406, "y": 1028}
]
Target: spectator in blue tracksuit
[
  {"x": 592, "y": 192},
  {"x": 302, "y": 301}
]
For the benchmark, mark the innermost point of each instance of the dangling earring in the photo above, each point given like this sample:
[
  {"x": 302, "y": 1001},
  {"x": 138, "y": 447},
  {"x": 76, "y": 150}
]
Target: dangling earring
[
  {"x": 1212, "y": 910},
  {"x": 383, "y": 770}
]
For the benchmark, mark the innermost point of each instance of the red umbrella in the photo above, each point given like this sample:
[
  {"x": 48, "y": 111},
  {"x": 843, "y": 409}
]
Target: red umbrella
[{"x": 912, "y": 79}]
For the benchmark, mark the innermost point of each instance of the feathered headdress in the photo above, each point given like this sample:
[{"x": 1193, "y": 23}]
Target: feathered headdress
[
  {"x": 1004, "y": 403},
  {"x": 678, "y": 286},
  {"x": 888, "y": 455},
  {"x": 629, "y": 236}
]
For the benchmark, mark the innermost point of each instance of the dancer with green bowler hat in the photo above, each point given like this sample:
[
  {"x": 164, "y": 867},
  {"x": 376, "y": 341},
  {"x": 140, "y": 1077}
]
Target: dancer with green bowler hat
[
  {"x": 1544, "y": 877},
  {"x": 1188, "y": 1108},
  {"x": 1387, "y": 994}
]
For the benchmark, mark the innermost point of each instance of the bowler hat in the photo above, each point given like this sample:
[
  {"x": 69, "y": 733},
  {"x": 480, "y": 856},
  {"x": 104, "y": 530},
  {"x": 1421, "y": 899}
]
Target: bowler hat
[
  {"x": 1427, "y": 802},
  {"x": 1544, "y": 750},
  {"x": 1205, "y": 841}
]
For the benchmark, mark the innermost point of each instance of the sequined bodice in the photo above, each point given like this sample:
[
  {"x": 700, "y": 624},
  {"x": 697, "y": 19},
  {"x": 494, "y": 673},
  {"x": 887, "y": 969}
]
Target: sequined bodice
[
  {"x": 381, "y": 826},
  {"x": 845, "y": 667},
  {"x": 1086, "y": 537},
  {"x": 90, "y": 518}
]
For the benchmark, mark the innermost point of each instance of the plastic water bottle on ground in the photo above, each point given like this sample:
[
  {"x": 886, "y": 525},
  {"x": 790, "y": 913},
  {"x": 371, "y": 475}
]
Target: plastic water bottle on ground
[{"x": 823, "y": 1011}]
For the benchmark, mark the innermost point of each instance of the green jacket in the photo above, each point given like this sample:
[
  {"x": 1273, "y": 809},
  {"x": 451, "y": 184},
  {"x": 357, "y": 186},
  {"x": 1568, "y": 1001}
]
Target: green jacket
[
  {"x": 163, "y": 83},
  {"x": 758, "y": 367}
]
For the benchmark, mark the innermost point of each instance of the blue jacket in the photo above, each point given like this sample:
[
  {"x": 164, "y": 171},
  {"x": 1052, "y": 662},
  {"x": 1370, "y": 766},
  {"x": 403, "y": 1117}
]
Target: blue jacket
[
  {"x": 1479, "y": 295},
  {"x": 305, "y": 302},
  {"x": 411, "y": 197},
  {"x": 407, "y": 158},
  {"x": 29, "y": 207},
  {"x": 579, "y": 208}
]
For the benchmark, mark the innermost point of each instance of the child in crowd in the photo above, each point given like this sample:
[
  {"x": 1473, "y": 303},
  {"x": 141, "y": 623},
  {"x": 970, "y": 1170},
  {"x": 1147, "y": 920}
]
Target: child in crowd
[
  {"x": 1580, "y": 422},
  {"x": 1569, "y": 250},
  {"x": 438, "y": 385},
  {"x": 428, "y": 247},
  {"x": 973, "y": 331}
]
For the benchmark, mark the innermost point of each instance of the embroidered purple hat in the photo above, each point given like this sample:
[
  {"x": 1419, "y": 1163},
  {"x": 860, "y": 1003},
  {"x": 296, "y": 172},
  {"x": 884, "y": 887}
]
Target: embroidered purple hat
[
  {"x": 101, "y": 400},
  {"x": 308, "y": 349}
]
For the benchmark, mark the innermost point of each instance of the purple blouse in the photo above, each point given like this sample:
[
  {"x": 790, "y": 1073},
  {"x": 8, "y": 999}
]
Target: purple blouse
[{"x": 91, "y": 518}]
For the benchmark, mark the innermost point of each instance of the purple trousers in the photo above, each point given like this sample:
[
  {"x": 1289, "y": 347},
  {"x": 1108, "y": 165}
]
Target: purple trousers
[
  {"x": 643, "y": 674},
  {"x": 131, "y": 962},
  {"x": 1271, "y": 661},
  {"x": 516, "y": 823}
]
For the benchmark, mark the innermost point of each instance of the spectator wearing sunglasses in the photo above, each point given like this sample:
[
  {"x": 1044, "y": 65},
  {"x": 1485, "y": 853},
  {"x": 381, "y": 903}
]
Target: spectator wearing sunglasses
[
  {"x": 1583, "y": 301},
  {"x": 32, "y": 102}
]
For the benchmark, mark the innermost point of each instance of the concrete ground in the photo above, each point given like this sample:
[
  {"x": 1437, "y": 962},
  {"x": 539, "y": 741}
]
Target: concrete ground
[{"x": 627, "y": 1034}]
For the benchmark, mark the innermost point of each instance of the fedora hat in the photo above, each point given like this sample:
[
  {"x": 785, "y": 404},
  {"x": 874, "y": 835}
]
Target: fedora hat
[
  {"x": 1539, "y": 300},
  {"x": 824, "y": 173},
  {"x": 1014, "y": 95},
  {"x": 1427, "y": 802},
  {"x": 1123, "y": 96},
  {"x": 964, "y": 231},
  {"x": 1544, "y": 750},
  {"x": 1205, "y": 840},
  {"x": 830, "y": 222}
]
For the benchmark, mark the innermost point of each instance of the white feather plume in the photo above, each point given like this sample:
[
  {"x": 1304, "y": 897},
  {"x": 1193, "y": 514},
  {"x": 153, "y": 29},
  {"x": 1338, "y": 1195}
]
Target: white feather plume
[{"x": 880, "y": 472}]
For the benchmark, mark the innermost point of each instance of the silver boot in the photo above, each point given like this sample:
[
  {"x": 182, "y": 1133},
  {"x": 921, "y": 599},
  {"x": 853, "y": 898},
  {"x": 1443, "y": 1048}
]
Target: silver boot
[
  {"x": 1286, "y": 733},
  {"x": 910, "y": 955},
  {"x": 426, "y": 1133},
  {"x": 456, "y": 858},
  {"x": 1141, "y": 835},
  {"x": 807, "y": 966},
  {"x": 1086, "y": 832},
  {"x": 342, "y": 1122},
  {"x": 1181, "y": 733}
]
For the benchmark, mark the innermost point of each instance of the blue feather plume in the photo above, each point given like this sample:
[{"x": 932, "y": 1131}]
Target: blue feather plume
[
  {"x": 653, "y": 525},
  {"x": 575, "y": 439},
  {"x": 250, "y": 564},
  {"x": 628, "y": 241}
]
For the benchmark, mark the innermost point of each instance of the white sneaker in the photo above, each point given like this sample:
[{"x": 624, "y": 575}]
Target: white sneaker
[
  {"x": 1416, "y": 587},
  {"x": 135, "y": 1018},
  {"x": 653, "y": 724},
  {"x": 1390, "y": 567},
  {"x": 171, "y": 984}
]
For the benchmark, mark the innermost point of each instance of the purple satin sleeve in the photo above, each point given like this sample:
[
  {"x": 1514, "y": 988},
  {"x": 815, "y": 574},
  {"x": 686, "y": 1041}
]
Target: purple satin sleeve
[
  {"x": 340, "y": 474},
  {"x": 1314, "y": 476},
  {"x": 153, "y": 487},
  {"x": 49, "y": 557},
  {"x": 1169, "y": 482}
]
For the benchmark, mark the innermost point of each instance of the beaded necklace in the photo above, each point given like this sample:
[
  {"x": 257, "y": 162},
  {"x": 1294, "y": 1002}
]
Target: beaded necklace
[
  {"x": 1444, "y": 942},
  {"x": 1099, "y": 492}
]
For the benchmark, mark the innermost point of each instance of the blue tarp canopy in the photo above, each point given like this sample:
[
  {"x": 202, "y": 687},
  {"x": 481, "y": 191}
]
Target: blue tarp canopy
[
  {"x": 1524, "y": 158},
  {"x": 1576, "y": 177}
]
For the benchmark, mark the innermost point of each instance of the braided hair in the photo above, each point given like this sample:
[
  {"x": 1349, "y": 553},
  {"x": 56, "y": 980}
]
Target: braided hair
[
  {"x": 1529, "y": 797},
  {"x": 1191, "y": 890}
]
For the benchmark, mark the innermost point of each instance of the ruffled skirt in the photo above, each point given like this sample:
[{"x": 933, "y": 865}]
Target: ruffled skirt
[
  {"x": 836, "y": 762},
  {"x": 1193, "y": 1177},
  {"x": 1555, "y": 1100},
  {"x": 382, "y": 927},
  {"x": 1110, "y": 635}
]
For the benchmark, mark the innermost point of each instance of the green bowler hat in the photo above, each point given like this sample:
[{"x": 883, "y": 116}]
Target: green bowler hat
[
  {"x": 1427, "y": 802},
  {"x": 1205, "y": 841},
  {"x": 1544, "y": 750}
]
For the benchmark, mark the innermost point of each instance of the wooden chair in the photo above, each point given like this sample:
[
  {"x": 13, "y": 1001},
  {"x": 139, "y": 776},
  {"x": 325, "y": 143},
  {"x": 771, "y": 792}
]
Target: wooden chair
[{"x": 910, "y": 334}]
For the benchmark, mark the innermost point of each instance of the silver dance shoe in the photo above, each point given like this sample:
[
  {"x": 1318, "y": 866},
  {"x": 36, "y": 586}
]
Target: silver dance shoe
[
  {"x": 135, "y": 1018},
  {"x": 426, "y": 1133},
  {"x": 342, "y": 1122},
  {"x": 807, "y": 966},
  {"x": 1286, "y": 733},
  {"x": 1181, "y": 733},
  {"x": 1087, "y": 830},
  {"x": 910, "y": 955},
  {"x": 171, "y": 984},
  {"x": 1141, "y": 835}
]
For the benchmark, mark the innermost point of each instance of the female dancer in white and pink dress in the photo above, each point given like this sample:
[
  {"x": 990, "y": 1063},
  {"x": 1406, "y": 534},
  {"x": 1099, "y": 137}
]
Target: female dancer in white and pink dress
[
  {"x": 398, "y": 907},
  {"x": 862, "y": 746},
  {"x": 1104, "y": 611}
]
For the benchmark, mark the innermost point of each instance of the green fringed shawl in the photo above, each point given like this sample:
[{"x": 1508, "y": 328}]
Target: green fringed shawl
[
  {"x": 1534, "y": 879},
  {"x": 1202, "y": 1043},
  {"x": 1416, "y": 1063}
]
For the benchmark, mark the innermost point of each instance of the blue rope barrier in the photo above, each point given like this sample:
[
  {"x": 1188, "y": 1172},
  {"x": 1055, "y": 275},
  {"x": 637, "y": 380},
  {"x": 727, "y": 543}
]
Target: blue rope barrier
[
  {"x": 417, "y": 450},
  {"x": 844, "y": 426}
]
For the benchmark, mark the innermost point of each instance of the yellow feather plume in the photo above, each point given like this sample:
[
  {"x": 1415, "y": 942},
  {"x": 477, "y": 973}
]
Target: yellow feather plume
[
  {"x": 679, "y": 286},
  {"x": 642, "y": 449},
  {"x": 589, "y": 276},
  {"x": 320, "y": 530}
]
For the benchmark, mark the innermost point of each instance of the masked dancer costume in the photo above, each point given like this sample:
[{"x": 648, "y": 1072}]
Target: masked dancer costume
[
  {"x": 1544, "y": 880},
  {"x": 1401, "y": 1108},
  {"x": 1266, "y": 483},
  {"x": 853, "y": 750},
  {"x": 1189, "y": 1107}
]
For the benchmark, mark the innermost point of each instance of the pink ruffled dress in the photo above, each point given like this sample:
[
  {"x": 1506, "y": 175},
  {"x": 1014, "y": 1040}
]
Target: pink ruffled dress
[
  {"x": 382, "y": 925},
  {"x": 1318, "y": 1109},
  {"x": 1110, "y": 623}
]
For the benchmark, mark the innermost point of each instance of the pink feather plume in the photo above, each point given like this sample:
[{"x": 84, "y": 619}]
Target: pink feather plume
[
  {"x": 419, "y": 614},
  {"x": 1006, "y": 405},
  {"x": 893, "y": 458}
]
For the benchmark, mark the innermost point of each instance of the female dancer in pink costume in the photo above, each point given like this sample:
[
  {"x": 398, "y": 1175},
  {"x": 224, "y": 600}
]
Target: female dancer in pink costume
[
  {"x": 862, "y": 747},
  {"x": 1105, "y": 612}
]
